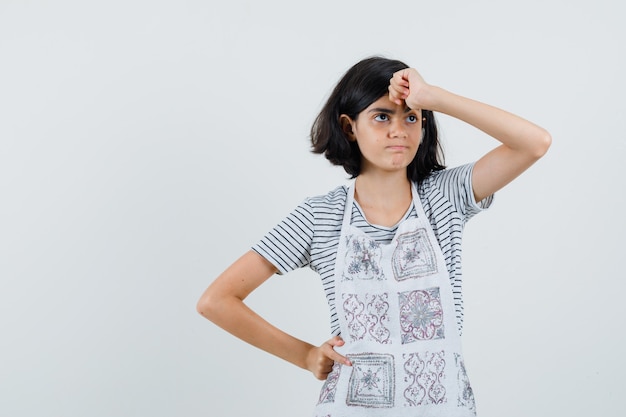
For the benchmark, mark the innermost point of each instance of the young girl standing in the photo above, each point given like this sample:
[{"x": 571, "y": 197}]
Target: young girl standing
[{"x": 387, "y": 248}]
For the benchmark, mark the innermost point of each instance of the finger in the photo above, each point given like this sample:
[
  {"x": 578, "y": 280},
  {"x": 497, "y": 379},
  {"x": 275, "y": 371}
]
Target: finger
[
  {"x": 399, "y": 84},
  {"x": 401, "y": 77},
  {"x": 325, "y": 364},
  {"x": 341, "y": 359},
  {"x": 336, "y": 341},
  {"x": 323, "y": 375},
  {"x": 395, "y": 100},
  {"x": 333, "y": 354},
  {"x": 397, "y": 96},
  {"x": 397, "y": 88}
]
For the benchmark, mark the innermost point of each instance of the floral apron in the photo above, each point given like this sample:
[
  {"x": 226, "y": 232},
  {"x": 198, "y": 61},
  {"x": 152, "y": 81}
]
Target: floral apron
[{"x": 397, "y": 318}]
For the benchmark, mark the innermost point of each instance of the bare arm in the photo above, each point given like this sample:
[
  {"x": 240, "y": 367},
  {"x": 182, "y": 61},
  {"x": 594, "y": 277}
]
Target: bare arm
[
  {"x": 523, "y": 142},
  {"x": 222, "y": 303}
]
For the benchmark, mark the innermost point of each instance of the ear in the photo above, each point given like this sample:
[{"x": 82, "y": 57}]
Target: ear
[{"x": 346, "y": 126}]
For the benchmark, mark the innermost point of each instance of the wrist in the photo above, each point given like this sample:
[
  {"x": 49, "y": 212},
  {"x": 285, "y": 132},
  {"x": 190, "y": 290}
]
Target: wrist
[
  {"x": 308, "y": 357},
  {"x": 434, "y": 98}
]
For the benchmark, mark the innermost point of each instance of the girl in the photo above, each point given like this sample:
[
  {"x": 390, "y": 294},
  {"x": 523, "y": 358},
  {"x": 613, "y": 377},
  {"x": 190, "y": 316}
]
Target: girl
[{"x": 387, "y": 248}]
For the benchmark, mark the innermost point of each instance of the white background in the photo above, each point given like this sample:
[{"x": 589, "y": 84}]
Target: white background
[{"x": 145, "y": 145}]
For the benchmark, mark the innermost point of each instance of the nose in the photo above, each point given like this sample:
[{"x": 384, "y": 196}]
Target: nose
[{"x": 397, "y": 129}]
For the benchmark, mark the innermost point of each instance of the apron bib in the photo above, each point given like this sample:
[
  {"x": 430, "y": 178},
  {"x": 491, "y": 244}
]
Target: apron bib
[{"x": 397, "y": 317}]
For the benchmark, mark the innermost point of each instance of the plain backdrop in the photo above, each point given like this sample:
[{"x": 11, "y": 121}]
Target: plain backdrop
[{"x": 146, "y": 145}]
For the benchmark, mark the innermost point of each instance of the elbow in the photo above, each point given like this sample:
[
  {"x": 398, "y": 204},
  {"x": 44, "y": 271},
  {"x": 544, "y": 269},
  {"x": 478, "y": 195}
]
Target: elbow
[
  {"x": 542, "y": 144},
  {"x": 217, "y": 307},
  {"x": 207, "y": 305}
]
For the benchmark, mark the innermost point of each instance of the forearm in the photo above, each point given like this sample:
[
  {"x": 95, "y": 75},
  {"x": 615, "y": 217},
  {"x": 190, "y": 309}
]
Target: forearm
[
  {"x": 234, "y": 316},
  {"x": 514, "y": 132},
  {"x": 222, "y": 303}
]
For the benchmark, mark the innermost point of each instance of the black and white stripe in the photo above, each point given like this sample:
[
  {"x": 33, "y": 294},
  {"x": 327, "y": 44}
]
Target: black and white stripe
[{"x": 309, "y": 235}]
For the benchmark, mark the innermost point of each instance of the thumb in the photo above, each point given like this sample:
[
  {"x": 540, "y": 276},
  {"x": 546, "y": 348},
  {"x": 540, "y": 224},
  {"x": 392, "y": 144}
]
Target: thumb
[{"x": 337, "y": 341}]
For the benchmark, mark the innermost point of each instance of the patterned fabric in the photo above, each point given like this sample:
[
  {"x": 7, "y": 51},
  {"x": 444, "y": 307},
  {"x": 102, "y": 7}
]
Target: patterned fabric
[
  {"x": 466, "y": 394},
  {"x": 363, "y": 259},
  {"x": 396, "y": 316},
  {"x": 367, "y": 317},
  {"x": 372, "y": 381},
  {"x": 414, "y": 257},
  {"x": 309, "y": 235},
  {"x": 425, "y": 375},
  {"x": 421, "y": 315},
  {"x": 327, "y": 394}
]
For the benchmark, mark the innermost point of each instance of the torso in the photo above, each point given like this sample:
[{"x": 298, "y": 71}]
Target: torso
[
  {"x": 396, "y": 315},
  {"x": 309, "y": 236}
]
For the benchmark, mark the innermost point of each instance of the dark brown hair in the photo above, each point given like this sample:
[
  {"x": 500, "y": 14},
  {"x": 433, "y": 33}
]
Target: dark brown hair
[{"x": 364, "y": 83}]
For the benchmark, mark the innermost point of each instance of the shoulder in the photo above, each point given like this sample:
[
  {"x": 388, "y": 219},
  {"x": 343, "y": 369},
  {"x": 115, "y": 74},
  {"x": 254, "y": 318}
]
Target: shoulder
[
  {"x": 326, "y": 215},
  {"x": 454, "y": 186},
  {"x": 332, "y": 202},
  {"x": 448, "y": 181},
  {"x": 458, "y": 175},
  {"x": 334, "y": 196}
]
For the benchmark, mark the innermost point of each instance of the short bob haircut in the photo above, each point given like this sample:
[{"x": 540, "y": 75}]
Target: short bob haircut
[{"x": 363, "y": 84}]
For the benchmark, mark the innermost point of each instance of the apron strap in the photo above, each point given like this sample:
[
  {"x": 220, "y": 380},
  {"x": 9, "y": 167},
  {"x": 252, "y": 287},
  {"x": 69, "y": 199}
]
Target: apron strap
[{"x": 347, "y": 213}]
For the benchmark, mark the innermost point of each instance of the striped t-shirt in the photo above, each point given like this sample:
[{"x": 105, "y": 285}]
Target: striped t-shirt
[{"x": 309, "y": 235}]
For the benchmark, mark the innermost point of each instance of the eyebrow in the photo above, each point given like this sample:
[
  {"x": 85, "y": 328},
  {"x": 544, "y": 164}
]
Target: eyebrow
[{"x": 386, "y": 110}]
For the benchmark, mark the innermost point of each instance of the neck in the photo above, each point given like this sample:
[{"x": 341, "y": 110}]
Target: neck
[{"x": 383, "y": 198}]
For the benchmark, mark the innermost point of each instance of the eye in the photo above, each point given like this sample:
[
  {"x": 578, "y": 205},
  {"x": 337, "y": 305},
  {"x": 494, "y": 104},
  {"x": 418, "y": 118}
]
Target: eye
[
  {"x": 381, "y": 117},
  {"x": 412, "y": 118}
]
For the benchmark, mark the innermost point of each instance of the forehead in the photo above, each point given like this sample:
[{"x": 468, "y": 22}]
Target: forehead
[{"x": 385, "y": 105}]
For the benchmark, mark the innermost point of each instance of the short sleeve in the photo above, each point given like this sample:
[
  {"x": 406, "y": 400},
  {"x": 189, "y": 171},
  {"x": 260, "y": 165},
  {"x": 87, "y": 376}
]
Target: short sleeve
[
  {"x": 288, "y": 245},
  {"x": 456, "y": 185}
]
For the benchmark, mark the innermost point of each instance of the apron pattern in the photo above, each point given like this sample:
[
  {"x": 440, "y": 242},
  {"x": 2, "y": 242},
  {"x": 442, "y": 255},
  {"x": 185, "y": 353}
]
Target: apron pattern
[
  {"x": 421, "y": 315},
  {"x": 329, "y": 389},
  {"x": 466, "y": 394},
  {"x": 403, "y": 361},
  {"x": 414, "y": 256},
  {"x": 363, "y": 259},
  {"x": 372, "y": 381},
  {"x": 425, "y": 376},
  {"x": 367, "y": 318}
]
